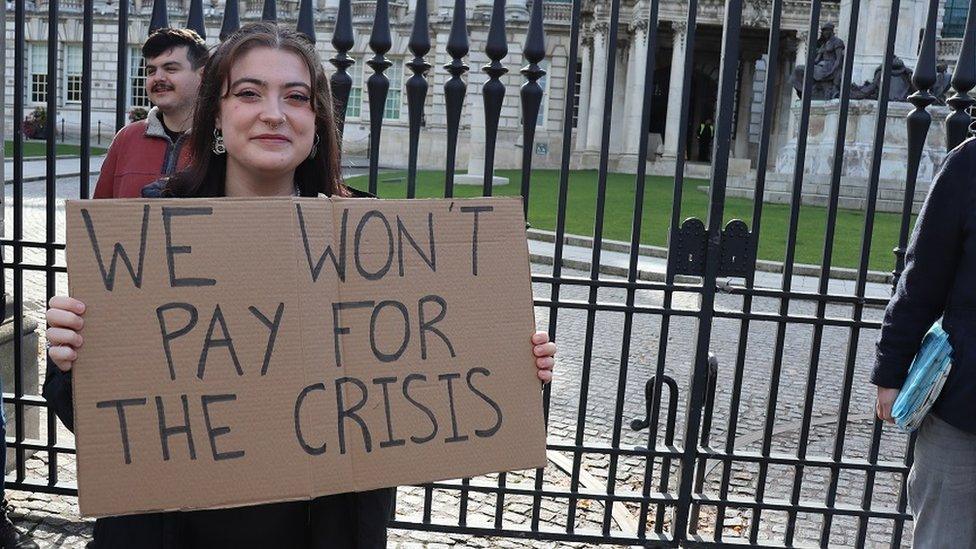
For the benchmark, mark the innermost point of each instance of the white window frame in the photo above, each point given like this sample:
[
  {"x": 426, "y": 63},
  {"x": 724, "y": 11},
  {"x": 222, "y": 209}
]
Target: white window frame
[
  {"x": 72, "y": 72},
  {"x": 395, "y": 96},
  {"x": 31, "y": 68},
  {"x": 136, "y": 82},
  {"x": 356, "y": 93}
]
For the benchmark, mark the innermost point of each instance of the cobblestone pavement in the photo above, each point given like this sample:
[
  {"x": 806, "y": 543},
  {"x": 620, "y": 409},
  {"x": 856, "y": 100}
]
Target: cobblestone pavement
[{"x": 54, "y": 520}]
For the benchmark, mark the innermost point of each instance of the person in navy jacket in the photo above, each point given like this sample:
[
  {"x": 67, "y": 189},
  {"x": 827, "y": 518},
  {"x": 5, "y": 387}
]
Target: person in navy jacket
[{"x": 939, "y": 280}]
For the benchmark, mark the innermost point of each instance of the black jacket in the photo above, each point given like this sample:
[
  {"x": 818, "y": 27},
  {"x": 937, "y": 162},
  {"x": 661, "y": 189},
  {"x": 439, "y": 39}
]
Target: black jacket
[
  {"x": 343, "y": 521},
  {"x": 939, "y": 280}
]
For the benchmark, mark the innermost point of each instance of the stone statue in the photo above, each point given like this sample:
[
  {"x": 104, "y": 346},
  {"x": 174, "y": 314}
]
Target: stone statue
[
  {"x": 828, "y": 67},
  {"x": 943, "y": 82},
  {"x": 901, "y": 84}
]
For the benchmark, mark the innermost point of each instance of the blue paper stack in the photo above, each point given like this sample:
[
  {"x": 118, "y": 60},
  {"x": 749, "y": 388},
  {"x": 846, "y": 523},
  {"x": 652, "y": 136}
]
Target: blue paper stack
[{"x": 926, "y": 376}]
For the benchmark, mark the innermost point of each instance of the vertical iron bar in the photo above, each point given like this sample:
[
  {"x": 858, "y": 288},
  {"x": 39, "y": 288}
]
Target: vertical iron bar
[
  {"x": 270, "y": 11},
  {"x": 861, "y": 282},
  {"x": 50, "y": 199},
  {"x": 963, "y": 80},
  {"x": 557, "y": 262},
  {"x": 729, "y": 63},
  {"x": 122, "y": 65},
  {"x": 342, "y": 41},
  {"x": 772, "y": 59},
  {"x": 531, "y": 93},
  {"x": 919, "y": 121},
  {"x": 787, "y": 282},
  {"x": 826, "y": 259},
  {"x": 903, "y": 496},
  {"x": 454, "y": 88},
  {"x": 159, "y": 18},
  {"x": 232, "y": 19},
  {"x": 691, "y": 24},
  {"x": 417, "y": 91},
  {"x": 18, "y": 233},
  {"x": 493, "y": 93},
  {"x": 595, "y": 259},
  {"x": 194, "y": 20},
  {"x": 416, "y": 96},
  {"x": 635, "y": 239},
  {"x": 306, "y": 20},
  {"x": 86, "y": 97},
  {"x": 862, "y": 522},
  {"x": 378, "y": 85}
]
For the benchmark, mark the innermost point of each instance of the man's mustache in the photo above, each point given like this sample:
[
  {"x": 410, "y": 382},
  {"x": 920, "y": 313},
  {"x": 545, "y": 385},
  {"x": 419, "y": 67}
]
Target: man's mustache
[{"x": 161, "y": 87}]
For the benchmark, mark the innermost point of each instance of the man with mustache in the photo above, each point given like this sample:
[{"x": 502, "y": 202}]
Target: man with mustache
[{"x": 144, "y": 150}]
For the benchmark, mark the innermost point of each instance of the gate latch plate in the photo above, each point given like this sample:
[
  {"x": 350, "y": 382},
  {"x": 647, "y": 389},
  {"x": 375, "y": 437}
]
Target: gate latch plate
[
  {"x": 689, "y": 243},
  {"x": 737, "y": 257},
  {"x": 687, "y": 255}
]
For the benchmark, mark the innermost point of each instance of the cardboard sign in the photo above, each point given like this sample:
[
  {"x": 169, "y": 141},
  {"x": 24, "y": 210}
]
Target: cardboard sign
[{"x": 242, "y": 351}]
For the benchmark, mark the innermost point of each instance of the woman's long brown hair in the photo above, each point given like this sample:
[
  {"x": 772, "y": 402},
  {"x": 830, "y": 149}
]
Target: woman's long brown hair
[{"x": 204, "y": 177}]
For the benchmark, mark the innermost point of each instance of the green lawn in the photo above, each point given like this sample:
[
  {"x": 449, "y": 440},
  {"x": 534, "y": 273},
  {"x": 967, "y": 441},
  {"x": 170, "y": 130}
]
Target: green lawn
[
  {"x": 581, "y": 207},
  {"x": 39, "y": 148}
]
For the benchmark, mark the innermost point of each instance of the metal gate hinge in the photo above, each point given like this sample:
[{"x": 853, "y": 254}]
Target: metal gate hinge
[{"x": 689, "y": 242}]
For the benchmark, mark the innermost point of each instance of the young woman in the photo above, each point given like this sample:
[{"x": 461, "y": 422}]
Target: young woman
[{"x": 263, "y": 126}]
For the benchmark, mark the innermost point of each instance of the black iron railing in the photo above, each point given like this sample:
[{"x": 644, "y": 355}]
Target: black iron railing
[{"x": 674, "y": 497}]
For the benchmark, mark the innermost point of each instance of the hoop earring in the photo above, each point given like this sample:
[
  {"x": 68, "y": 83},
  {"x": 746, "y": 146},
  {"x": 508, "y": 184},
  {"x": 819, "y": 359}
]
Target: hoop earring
[
  {"x": 218, "y": 144},
  {"x": 315, "y": 147}
]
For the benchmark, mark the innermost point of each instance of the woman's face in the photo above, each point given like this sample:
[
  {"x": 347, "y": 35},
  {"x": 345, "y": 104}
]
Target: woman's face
[{"x": 266, "y": 116}]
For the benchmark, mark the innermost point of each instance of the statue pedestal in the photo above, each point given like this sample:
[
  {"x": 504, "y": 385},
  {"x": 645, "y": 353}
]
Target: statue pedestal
[{"x": 858, "y": 152}]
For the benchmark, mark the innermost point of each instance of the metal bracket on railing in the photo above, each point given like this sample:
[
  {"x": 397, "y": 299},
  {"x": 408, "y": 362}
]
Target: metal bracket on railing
[
  {"x": 688, "y": 247},
  {"x": 737, "y": 256},
  {"x": 638, "y": 423}
]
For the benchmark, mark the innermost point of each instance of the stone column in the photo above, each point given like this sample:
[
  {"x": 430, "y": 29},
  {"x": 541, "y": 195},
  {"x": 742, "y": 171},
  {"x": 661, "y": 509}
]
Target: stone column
[
  {"x": 802, "y": 43},
  {"x": 636, "y": 96},
  {"x": 675, "y": 91},
  {"x": 784, "y": 95},
  {"x": 744, "y": 111},
  {"x": 594, "y": 122},
  {"x": 872, "y": 33},
  {"x": 582, "y": 116}
]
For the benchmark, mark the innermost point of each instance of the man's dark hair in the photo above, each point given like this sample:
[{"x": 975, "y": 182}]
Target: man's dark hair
[{"x": 163, "y": 40}]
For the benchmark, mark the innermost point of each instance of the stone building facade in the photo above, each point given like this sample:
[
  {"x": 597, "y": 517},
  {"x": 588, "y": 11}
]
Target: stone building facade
[{"x": 580, "y": 88}]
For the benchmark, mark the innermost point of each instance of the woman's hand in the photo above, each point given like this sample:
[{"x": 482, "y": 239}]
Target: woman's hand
[
  {"x": 63, "y": 324},
  {"x": 544, "y": 351}
]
